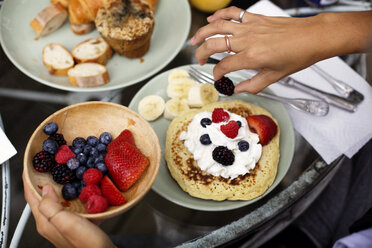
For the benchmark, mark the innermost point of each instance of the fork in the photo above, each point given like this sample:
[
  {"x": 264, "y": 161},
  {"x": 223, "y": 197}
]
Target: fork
[{"x": 314, "y": 107}]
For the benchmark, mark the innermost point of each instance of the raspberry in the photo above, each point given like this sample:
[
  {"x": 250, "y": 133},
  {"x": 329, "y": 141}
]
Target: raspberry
[
  {"x": 219, "y": 115},
  {"x": 96, "y": 204},
  {"x": 88, "y": 191},
  {"x": 64, "y": 154},
  {"x": 62, "y": 174},
  {"x": 43, "y": 161},
  {"x": 92, "y": 176},
  {"x": 224, "y": 86},
  {"x": 58, "y": 137},
  {"x": 231, "y": 129},
  {"x": 222, "y": 155}
]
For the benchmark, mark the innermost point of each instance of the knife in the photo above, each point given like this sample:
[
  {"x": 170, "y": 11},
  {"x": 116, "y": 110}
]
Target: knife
[{"x": 332, "y": 99}]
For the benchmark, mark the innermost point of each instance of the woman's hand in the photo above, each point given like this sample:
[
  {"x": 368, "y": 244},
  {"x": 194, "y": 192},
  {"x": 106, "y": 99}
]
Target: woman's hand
[
  {"x": 61, "y": 227},
  {"x": 276, "y": 46}
]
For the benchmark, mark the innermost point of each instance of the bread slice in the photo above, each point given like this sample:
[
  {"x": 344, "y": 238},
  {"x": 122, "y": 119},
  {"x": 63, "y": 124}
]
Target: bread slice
[
  {"x": 94, "y": 50},
  {"x": 88, "y": 75},
  {"x": 49, "y": 19},
  {"x": 57, "y": 59},
  {"x": 83, "y": 28}
]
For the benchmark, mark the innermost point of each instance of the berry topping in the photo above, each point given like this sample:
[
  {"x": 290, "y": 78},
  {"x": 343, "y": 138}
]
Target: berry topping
[
  {"x": 73, "y": 163},
  {"x": 62, "y": 174},
  {"x": 96, "y": 204},
  {"x": 264, "y": 126},
  {"x": 222, "y": 155},
  {"x": 105, "y": 138},
  {"x": 79, "y": 142},
  {"x": 92, "y": 141},
  {"x": 80, "y": 172},
  {"x": 205, "y": 140},
  {"x": 111, "y": 192},
  {"x": 43, "y": 161},
  {"x": 231, "y": 129},
  {"x": 224, "y": 86},
  {"x": 243, "y": 146},
  {"x": 64, "y": 154},
  {"x": 205, "y": 122},
  {"x": 50, "y": 128},
  {"x": 69, "y": 191},
  {"x": 88, "y": 191},
  {"x": 50, "y": 146},
  {"x": 57, "y": 137},
  {"x": 239, "y": 123},
  {"x": 220, "y": 115},
  {"x": 92, "y": 176}
]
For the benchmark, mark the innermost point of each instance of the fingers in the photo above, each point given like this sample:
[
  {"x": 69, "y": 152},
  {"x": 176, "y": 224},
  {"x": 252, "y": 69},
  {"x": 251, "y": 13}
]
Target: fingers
[
  {"x": 257, "y": 83},
  {"x": 49, "y": 205},
  {"x": 228, "y": 13},
  {"x": 218, "y": 27}
]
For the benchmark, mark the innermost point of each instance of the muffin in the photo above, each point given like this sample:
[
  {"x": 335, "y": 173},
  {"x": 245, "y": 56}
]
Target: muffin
[{"x": 127, "y": 26}]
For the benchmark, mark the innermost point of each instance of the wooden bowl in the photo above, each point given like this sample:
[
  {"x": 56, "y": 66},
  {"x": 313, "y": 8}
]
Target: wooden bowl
[{"x": 93, "y": 118}]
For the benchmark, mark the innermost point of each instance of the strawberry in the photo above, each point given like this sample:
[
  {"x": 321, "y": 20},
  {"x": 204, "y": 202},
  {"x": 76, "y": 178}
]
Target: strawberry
[
  {"x": 220, "y": 115},
  {"x": 264, "y": 126},
  {"x": 88, "y": 191},
  {"x": 125, "y": 164},
  {"x": 111, "y": 192},
  {"x": 92, "y": 176},
  {"x": 125, "y": 136},
  {"x": 231, "y": 129},
  {"x": 96, "y": 204},
  {"x": 64, "y": 154}
]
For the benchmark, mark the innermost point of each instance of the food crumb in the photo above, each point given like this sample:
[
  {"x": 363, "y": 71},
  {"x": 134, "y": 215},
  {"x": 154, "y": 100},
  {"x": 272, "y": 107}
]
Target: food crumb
[
  {"x": 65, "y": 204},
  {"x": 36, "y": 38},
  {"x": 142, "y": 60},
  {"x": 40, "y": 187},
  {"x": 131, "y": 122}
]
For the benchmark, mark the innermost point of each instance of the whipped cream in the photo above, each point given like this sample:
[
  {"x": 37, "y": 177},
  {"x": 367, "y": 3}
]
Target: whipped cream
[{"x": 244, "y": 161}]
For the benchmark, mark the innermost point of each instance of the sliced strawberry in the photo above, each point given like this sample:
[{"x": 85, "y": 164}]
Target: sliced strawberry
[
  {"x": 125, "y": 164},
  {"x": 264, "y": 126},
  {"x": 220, "y": 115},
  {"x": 125, "y": 136},
  {"x": 111, "y": 192},
  {"x": 231, "y": 129}
]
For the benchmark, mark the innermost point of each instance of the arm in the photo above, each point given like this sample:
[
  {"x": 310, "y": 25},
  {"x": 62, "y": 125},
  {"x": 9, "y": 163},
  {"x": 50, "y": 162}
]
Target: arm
[{"x": 280, "y": 46}]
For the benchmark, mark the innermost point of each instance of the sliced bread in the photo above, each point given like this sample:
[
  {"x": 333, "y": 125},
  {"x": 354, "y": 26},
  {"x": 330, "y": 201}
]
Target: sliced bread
[
  {"x": 88, "y": 75},
  {"x": 94, "y": 50},
  {"x": 57, "y": 59},
  {"x": 49, "y": 19},
  {"x": 83, "y": 28}
]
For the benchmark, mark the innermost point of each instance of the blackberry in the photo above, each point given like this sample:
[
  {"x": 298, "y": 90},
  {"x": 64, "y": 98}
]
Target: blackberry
[
  {"x": 50, "y": 146},
  {"x": 224, "y": 86},
  {"x": 205, "y": 140},
  {"x": 50, "y": 128},
  {"x": 243, "y": 145},
  {"x": 62, "y": 174},
  {"x": 44, "y": 161},
  {"x": 205, "y": 122},
  {"x": 58, "y": 137},
  {"x": 222, "y": 155}
]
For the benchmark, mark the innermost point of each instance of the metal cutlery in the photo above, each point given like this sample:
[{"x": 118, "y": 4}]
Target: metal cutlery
[
  {"x": 314, "y": 107},
  {"x": 341, "y": 87}
]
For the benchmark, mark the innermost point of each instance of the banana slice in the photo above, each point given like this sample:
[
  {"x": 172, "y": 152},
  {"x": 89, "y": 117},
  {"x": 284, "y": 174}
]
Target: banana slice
[
  {"x": 151, "y": 107},
  {"x": 174, "y": 107},
  {"x": 202, "y": 94},
  {"x": 177, "y": 73},
  {"x": 179, "y": 87}
]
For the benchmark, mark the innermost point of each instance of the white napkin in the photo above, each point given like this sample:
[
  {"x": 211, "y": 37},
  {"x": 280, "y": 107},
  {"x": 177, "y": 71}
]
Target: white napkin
[
  {"x": 6, "y": 148},
  {"x": 340, "y": 132}
]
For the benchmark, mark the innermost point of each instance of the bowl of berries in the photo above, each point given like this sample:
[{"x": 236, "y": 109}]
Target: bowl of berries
[{"x": 101, "y": 158}]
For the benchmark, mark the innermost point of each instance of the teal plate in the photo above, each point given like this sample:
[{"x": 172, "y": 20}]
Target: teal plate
[
  {"x": 19, "y": 42},
  {"x": 168, "y": 188}
]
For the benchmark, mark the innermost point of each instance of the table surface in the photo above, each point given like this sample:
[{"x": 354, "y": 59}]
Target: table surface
[{"x": 156, "y": 221}]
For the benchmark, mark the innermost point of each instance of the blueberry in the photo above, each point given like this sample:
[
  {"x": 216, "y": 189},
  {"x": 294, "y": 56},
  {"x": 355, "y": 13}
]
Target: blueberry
[
  {"x": 90, "y": 162},
  {"x": 82, "y": 158},
  {"x": 73, "y": 163},
  {"x": 69, "y": 192},
  {"x": 243, "y": 145},
  {"x": 93, "y": 141},
  {"x": 93, "y": 153},
  {"x": 101, "y": 147},
  {"x": 50, "y": 146},
  {"x": 99, "y": 158},
  {"x": 102, "y": 167},
  {"x": 86, "y": 150},
  {"x": 205, "y": 122},
  {"x": 50, "y": 128},
  {"x": 79, "y": 142},
  {"x": 82, "y": 185},
  {"x": 105, "y": 138},
  {"x": 239, "y": 123},
  {"x": 76, "y": 150},
  {"x": 80, "y": 172},
  {"x": 76, "y": 184},
  {"x": 205, "y": 140}
]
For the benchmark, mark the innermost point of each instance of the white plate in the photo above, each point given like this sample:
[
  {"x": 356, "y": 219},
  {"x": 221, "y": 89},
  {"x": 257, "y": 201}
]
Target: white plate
[
  {"x": 18, "y": 39},
  {"x": 167, "y": 187}
]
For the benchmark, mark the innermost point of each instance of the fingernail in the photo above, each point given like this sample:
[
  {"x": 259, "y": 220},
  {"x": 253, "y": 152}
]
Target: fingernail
[
  {"x": 192, "y": 40},
  {"x": 45, "y": 190},
  {"x": 209, "y": 18}
]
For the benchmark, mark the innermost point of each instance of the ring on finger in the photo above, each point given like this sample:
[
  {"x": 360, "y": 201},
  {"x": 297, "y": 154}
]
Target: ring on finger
[
  {"x": 242, "y": 12},
  {"x": 228, "y": 44}
]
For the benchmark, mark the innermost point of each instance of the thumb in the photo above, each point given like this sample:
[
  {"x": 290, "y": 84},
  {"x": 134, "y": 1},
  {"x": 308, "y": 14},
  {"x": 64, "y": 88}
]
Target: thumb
[
  {"x": 49, "y": 205},
  {"x": 258, "y": 82}
]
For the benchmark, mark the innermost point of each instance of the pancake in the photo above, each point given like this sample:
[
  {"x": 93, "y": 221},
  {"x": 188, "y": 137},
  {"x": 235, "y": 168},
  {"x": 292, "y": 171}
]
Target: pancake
[{"x": 200, "y": 184}]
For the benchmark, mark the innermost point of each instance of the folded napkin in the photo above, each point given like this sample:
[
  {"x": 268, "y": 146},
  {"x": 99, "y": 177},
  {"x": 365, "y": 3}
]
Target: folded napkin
[
  {"x": 339, "y": 132},
  {"x": 6, "y": 148}
]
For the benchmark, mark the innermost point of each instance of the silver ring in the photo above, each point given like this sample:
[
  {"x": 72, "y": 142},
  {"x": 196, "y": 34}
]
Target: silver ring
[{"x": 242, "y": 12}]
